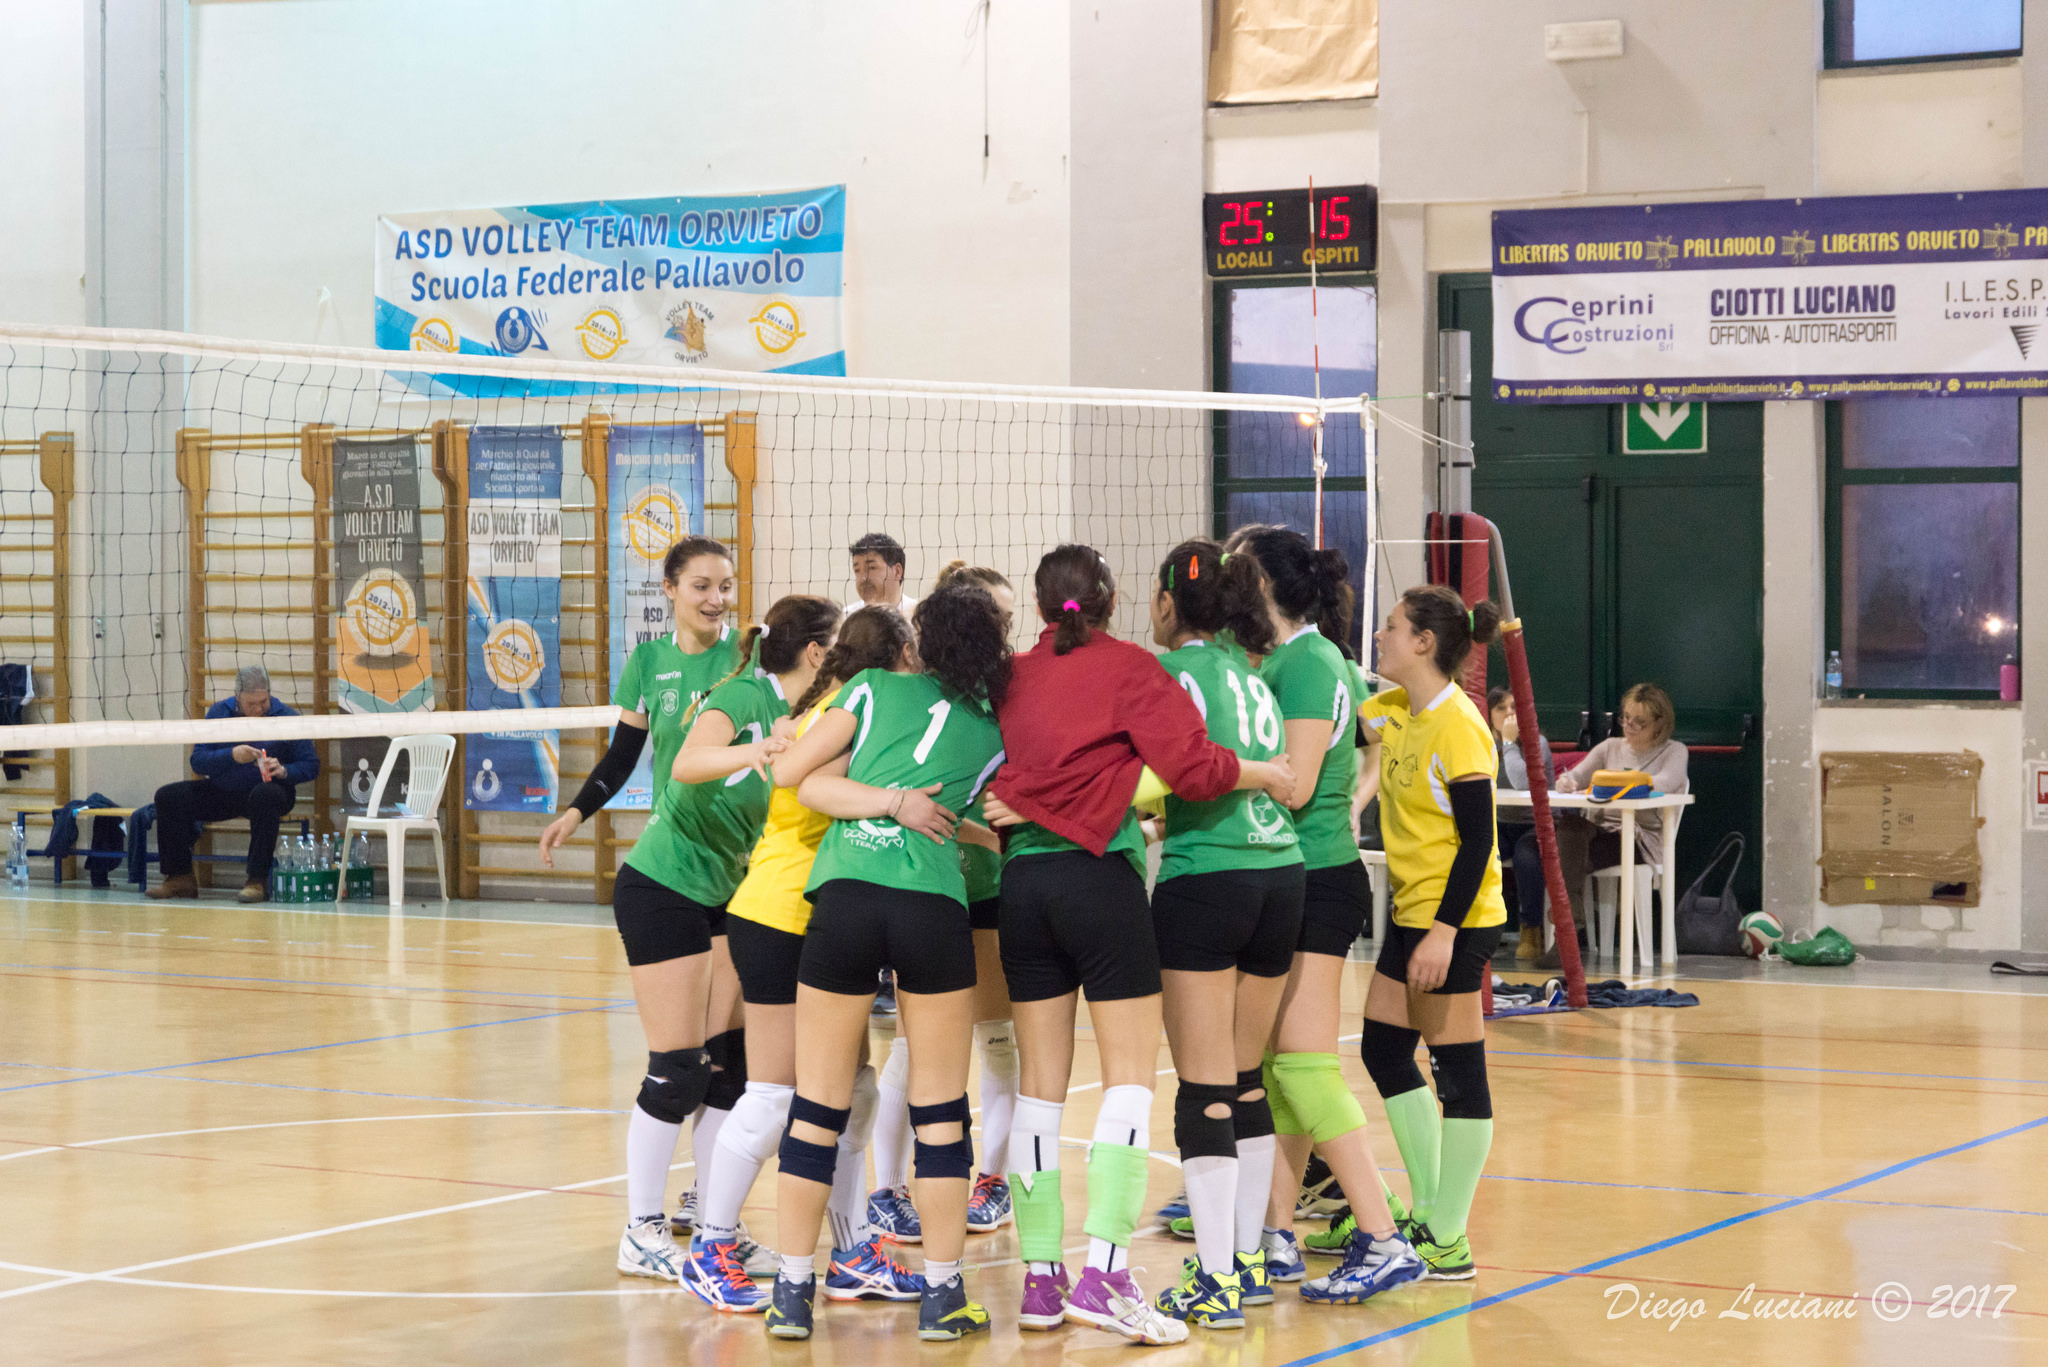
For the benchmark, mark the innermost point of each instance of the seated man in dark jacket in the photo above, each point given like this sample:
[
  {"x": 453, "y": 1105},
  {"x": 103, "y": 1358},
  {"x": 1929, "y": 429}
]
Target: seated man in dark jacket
[{"x": 252, "y": 781}]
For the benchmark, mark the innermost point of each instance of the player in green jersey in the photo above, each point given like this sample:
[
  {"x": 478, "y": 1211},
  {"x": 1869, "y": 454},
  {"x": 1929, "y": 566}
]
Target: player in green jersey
[
  {"x": 1319, "y": 691},
  {"x": 887, "y": 888},
  {"x": 663, "y": 682},
  {"x": 1226, "y": 912},
  {"x": 669, "y": 902}
]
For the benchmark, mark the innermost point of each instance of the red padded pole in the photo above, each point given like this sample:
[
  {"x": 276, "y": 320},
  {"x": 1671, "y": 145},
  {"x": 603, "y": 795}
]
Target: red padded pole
[{"x": 1539, "y": 812}]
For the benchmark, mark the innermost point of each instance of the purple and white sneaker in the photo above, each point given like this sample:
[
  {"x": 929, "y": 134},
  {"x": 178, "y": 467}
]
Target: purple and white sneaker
[
  {"x": 1114, "y": 1301},
  {"x": 1045, "y": 1299}
]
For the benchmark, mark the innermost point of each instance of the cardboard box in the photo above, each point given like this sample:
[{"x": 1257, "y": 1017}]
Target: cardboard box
[{"x": 1900, "y": 829}]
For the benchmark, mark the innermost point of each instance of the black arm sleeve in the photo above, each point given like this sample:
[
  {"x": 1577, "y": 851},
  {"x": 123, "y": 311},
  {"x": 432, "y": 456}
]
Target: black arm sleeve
[
  {"x": 1472, "y": 810},
  {"x": 612, "y": 771}
]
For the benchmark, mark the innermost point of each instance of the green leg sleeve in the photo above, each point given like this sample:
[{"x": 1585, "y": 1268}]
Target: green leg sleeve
[
  {"x": 1284, "y": 1121},
  {"x": 1041, "y": 1216},
  {"x": 1314, "y": 1088},
  {"x": 1465, "y": 1145},
  {"x": 1417, "y": 1127},
  {"x": 1116, "y": 1191}
]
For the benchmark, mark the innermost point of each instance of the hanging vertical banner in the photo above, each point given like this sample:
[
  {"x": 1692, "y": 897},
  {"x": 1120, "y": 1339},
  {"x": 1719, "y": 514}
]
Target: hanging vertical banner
[
  {"x": 385, "y": 663},
  {"x": 730, "y": 282},
  {"x": 515, "y": 612},
  {"x": 656, "y": 494}
]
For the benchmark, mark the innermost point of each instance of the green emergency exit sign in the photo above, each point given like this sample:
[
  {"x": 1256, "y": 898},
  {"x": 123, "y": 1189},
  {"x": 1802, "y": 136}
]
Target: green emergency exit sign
[{"x": 1664, "y": 429}]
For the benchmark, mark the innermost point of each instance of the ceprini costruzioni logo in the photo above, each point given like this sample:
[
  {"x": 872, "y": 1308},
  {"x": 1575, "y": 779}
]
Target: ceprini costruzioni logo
[{"x": 1569, "y": 326}]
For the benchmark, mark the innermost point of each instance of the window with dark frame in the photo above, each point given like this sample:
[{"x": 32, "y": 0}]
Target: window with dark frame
[
  {"x": 1265, "y": 340},
  {"x": 1887, "y": 32},
  {"x": 1923, "y": 533}
]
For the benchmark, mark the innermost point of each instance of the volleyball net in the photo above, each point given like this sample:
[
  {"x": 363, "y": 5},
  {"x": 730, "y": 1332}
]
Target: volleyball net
[{"x": 472, "y": 544}]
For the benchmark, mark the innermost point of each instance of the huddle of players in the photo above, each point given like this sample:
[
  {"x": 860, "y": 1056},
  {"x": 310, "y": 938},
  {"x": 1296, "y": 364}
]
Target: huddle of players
[{"x": 834, "y": 809}]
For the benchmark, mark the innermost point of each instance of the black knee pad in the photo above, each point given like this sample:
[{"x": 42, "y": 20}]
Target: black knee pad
[
  {"x": 1199, "y": 1134},
  {"x": 955, "y": 1159},
  {"x": 729, "y": 1061},
  {"x": 1251, "y": 1119},
  {"x": 675, "y": 1083},
  {"x": 1389, "y": 1054},
  {"x": 800, "y": 1157},
  {"x": 1460, "y": 1071}
]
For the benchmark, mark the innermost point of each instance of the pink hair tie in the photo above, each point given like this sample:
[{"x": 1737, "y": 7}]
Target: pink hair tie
[{"x": 1071, "y": 606}]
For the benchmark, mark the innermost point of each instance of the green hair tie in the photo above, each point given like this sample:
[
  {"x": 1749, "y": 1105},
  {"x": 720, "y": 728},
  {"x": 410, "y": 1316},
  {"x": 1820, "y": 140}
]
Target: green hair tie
[
  {"x": 1225, "y": 560},
  {"x": 1169, "y": 579}
]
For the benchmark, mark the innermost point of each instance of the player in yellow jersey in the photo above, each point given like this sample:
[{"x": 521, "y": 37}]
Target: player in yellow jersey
[
  {"x": 765, "y": 925},
  {"x": 1435, "y": 760}
]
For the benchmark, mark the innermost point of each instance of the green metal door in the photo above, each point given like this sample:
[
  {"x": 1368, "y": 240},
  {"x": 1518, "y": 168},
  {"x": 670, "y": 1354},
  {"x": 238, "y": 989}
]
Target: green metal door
[{"x": 1630, "y": 568}]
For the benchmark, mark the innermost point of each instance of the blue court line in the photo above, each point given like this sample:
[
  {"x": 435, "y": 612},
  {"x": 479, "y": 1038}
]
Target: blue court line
[
  {"x": 1763, "y": 1067},
  {"x": 1558, "y": 1278},
  {"x": 332, "y": 1091},
  {"x": 329, "y": 982},
  {"x": 302, "y": 1049}
]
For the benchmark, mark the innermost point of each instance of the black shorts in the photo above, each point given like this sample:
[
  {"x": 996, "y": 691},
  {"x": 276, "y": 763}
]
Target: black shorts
[
  {"x": 985, "y": 914},
  {"x": 1333, "y": 909},
  {"x": 765, "y": 960},
  {"x": 857, "y": 928},
  {"x": 1247, "y": 919},
  {"x": 658, "y": 923},
  {"x": 1071, "y": 920},
  {"x": 1471, "y": 956}
]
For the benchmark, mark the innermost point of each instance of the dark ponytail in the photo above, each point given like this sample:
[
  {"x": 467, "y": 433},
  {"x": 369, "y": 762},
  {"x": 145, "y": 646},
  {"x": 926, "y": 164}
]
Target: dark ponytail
[
  {"x": 794, "y": 622},
  {"x": 960, "y": 639},
  {"x": 872, "y": 638},
  {"x": 1309, "y": 585},
  {"x": 1435, "y": 608},
  {"x": 1075, "y": 592},
  {"x": 1214, "y": 590}
]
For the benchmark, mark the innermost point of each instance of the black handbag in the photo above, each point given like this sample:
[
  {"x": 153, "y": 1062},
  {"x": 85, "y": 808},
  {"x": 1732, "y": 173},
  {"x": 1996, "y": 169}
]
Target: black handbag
[{"x": 1711, "y": 924}]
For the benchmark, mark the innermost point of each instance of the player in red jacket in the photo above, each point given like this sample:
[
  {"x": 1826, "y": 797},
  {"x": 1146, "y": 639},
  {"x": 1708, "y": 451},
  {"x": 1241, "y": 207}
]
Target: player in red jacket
[{"x": 1084, "y": 714}]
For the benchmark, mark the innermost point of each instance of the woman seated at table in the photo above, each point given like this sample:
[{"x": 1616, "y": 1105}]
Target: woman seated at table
[
  {"x": 1514, "y": 773},
  {"x": 1592, "y": 839}
]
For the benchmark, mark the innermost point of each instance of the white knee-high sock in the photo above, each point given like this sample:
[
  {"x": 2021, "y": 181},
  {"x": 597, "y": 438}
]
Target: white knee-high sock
[
  {"x": 1000, "y": 1070},
  {"x": 1212, "y": 1203},
  {"x": 704, "y": 1143},
  {"x": 650, "y": 1148},
  {"x": 892, "y": 1119},
  {"x": 748, "y": 1139},
  {"x": 1254, "y": 1187},
  {"x": 846, "y": 1210}
]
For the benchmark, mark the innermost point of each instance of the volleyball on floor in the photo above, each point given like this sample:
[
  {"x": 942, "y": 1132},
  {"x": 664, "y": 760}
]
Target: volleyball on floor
[{"x": 1761, "y": 933}]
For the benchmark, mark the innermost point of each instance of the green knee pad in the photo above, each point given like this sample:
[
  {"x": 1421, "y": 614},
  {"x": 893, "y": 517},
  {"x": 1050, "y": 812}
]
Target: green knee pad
[
  {"x": 1284, "y": 1121},
  {"x": 1116, "y": 1192},
  {"x": 1041, "y": 1215},
  {"x": 1314, "y": 1088}
]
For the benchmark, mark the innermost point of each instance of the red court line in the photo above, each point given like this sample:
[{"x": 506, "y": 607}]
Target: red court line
[
  {"x": 619, "y": 972},
  {"x": 1494, "y": 1062},
  {"x": 309, "y": 1167},
  {"x": 1714, "y": 1286},
  {"x": 272, "y": 991}
]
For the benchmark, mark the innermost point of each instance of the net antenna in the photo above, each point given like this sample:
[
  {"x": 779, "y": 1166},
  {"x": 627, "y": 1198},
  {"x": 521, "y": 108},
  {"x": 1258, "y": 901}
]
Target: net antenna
[{"x": 1315, "y": 333}]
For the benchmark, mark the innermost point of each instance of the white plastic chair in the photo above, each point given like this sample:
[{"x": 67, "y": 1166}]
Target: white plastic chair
[
  {"x": 430, "y": 757},
  {"x": 1603, "y": 894}
]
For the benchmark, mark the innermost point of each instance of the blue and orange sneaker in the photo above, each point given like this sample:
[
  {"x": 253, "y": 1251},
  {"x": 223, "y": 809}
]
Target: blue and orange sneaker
[
  {"x": 714, "y": 1274},
  {"x": 890, "y": 1212},
  {"x": 870, "y": 1273},
  {"x": 988, "y": 1205}
]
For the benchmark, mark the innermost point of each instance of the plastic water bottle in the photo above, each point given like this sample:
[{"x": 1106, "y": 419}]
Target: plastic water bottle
[
  {"x": 17, "y": 854},
  {"x": 1834, "y": 677}
]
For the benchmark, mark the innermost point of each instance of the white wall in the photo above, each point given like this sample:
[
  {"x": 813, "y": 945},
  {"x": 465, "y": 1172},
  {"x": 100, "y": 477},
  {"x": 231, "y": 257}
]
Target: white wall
[
  {"x": 42, "y": 162},
  {"x": 311, "y": 118},
  {"x": 1912, "y": 130},
  {"x": 1280, "y": 146}
]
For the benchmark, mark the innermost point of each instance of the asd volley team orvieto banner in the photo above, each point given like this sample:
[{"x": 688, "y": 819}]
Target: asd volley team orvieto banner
[
  {"x": 1879, "y": 296},
  {"x": 515, "y": 613},
  {"x": 386, "y": 661},
  {"x": 655, "y": 490},
  {"x": 736, "y": 282}
]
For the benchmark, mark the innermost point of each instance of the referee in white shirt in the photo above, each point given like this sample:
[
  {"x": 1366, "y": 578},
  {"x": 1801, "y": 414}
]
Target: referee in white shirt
[{"x": 878, "y": 565}]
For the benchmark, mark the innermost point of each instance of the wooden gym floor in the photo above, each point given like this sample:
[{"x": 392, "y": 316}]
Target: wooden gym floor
[{"x": 269, "y": 1135}]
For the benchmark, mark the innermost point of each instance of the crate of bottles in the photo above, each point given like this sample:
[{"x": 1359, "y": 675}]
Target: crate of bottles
[{"x": 319, "y": 870}]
